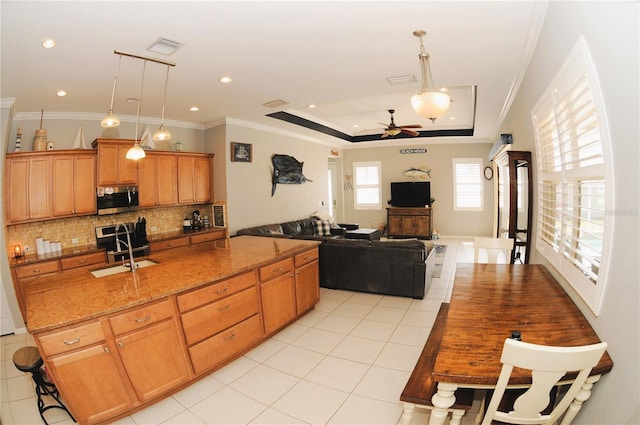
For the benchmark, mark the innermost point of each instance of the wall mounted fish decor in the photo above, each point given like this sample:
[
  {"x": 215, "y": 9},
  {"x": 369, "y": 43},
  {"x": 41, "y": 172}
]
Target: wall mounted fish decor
[
  {"x": 286, "y": 170},
  {"x": 421, "y": 173}
]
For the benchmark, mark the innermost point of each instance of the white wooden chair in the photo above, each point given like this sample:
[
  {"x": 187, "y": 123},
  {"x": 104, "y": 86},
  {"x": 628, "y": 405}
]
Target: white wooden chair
[
  {"x": 493, "y": 247},
  {"x": 548, "y": 366}
]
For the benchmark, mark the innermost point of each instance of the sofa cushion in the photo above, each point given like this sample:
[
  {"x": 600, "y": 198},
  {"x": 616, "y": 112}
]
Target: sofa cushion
[
  {"x": 323, "y": 228},
  {"x": 291, "y": 228},
  {"x": 267, "y": 229},
  {"x": 307, "y": 226}
]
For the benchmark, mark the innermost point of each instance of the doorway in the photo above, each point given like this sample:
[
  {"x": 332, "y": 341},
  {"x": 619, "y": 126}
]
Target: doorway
[{"x": 334, "y": 182}]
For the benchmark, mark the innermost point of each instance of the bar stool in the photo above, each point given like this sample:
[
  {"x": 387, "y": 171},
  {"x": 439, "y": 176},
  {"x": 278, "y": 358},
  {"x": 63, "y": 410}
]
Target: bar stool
[{"x": 27, "y": 359}]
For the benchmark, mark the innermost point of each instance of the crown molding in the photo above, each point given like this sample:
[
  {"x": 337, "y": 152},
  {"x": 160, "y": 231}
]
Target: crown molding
[{"x": 91, "y": 116}]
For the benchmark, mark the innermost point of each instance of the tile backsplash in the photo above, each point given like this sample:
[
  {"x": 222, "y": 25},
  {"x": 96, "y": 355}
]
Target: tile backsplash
[{"x": 65, "y": 230}]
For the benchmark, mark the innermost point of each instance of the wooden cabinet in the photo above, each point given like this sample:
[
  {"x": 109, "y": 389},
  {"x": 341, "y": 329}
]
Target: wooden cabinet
[
  {"x": 158, "y": 179},
  {"x": 168, "y": 244},
  {"x": 194, "y": 178},
  {"x": 278, "y": 293},
  {"x": 409, "y": 222},
  {"x": 28, "y": 187},
  {"x": 221, "y": 318},
  {"x": 23, "y": 274},
  {"x": 208, "y": 236},
  {"x": 94, "y": 258},
  {"x": 74, "y": 185},
  {"x": 113, "y": 166},
  {"x": 86, "y": 372},
  {"x": 514, "y": 199},
  {"x": 307, "y": 278}
]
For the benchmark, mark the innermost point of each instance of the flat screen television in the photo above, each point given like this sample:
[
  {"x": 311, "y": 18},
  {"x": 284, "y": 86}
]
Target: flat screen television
[{"x": 410, "y": 194}]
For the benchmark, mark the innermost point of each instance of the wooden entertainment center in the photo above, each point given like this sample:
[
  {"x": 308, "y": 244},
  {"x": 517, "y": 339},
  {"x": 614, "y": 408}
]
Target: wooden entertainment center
[{"x": 409, "y": 222}]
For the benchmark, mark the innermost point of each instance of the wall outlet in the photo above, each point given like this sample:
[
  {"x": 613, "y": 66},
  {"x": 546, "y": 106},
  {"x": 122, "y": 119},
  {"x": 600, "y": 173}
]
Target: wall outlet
[
  {"x": 153, "y": 229},
  {"x": 74, "y": 240}
]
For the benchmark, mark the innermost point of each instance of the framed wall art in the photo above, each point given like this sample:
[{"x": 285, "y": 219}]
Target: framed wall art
[{"x": 241, "y": 152}]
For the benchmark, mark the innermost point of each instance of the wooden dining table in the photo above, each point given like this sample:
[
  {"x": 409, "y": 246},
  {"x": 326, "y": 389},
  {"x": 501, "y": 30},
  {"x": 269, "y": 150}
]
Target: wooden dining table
[{"x": 488, "y": 303}]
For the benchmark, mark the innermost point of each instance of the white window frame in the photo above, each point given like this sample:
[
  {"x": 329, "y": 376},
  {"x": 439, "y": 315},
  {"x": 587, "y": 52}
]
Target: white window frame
[
  {"x": 560, "y": 155},
  {"x": 459, "y": 185},
  {"x": 359, "y": 184}
]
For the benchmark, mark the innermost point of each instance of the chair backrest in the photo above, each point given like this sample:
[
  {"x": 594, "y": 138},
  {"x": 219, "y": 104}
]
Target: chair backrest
[
  {"x": 548, "y": 366},
  {"x": 493, "y": 246}
]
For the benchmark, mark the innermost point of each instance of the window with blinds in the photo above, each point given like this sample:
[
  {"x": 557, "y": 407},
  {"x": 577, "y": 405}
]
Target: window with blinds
[
  {"x": 367, "y": 191},
  {"x": 571, "y": 138},
  {"x": 468, "y": 186}
]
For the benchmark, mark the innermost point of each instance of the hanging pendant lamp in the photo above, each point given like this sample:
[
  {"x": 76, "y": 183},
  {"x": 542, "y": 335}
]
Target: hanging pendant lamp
[
  {"x": 162, "y": 134},
  {"x": 112, "y": 120},
  {"x": 429, "y": 102},
  {"x": 136, "y": 152}
]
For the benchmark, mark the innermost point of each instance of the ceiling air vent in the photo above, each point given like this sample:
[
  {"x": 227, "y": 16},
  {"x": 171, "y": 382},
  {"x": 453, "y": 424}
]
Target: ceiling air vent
[
  {"x": 164, "y": 46},
  {"x": 401, "y": 79},
  {"x": 275, "y": 103}
]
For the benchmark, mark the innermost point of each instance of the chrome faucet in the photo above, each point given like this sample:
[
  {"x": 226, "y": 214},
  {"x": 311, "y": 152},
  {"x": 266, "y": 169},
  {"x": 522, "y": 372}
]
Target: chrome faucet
[{"x": 132, "y": 263}]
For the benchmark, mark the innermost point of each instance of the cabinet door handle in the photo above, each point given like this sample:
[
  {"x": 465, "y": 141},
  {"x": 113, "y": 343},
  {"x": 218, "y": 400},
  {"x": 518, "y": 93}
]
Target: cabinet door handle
[
  {"x": 106, "y": 350},
  {"x": 143, "y": 319},
  {"x": 120, "y": 344},
  {"x": 83, "y": 261},
  {"x": 278, "y": 270},
  {"x": 309, "y": 257},
  {"x": 230, "y": 337},
  {"x": 36, "y": 270},
  {"x": 226, "y": 307},
  {"x": 222, "y": 291},
  {"x": 72, "y": 341}
]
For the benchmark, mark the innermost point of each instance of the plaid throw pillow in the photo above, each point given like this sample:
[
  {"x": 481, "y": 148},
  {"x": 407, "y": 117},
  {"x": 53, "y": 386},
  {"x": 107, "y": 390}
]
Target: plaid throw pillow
[{"x": 323, "y": 228}]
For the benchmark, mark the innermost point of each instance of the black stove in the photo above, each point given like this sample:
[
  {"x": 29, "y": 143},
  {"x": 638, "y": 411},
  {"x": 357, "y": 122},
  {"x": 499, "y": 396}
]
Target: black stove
[{"x": 106, "y": 238}]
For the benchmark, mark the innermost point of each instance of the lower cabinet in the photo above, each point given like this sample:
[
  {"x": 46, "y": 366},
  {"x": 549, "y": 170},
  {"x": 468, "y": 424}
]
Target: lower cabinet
[
  {"x": 86, "y": 372},
  {"x": 105, "y": 367}
]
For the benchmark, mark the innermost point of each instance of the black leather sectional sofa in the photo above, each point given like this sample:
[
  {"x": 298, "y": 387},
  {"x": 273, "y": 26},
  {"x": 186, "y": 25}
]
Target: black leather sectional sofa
[
  {"x": 401, "y": 268},
  {"x": 394, "y": 267}
]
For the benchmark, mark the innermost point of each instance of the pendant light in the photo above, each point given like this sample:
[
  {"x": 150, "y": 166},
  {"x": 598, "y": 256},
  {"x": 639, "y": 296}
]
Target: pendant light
[
  {"x": 429, "y": 102},
  {"x": 136, "y": 152},
  {"x": 112, "y": 120},
  {"x": 162, "y": 134}
]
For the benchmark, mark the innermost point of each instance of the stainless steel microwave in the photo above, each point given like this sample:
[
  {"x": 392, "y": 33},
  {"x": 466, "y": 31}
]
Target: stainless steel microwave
[{"x": 116, "y": 199}]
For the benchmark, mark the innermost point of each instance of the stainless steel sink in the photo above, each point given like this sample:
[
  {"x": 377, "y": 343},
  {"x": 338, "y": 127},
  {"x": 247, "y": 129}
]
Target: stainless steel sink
[{"x": 121, "y": 268}]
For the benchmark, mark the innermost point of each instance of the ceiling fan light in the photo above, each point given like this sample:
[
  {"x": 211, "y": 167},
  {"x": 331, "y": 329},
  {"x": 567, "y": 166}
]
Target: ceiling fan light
[
  {"x": 136, "y": 152},
  {"x": 161, "y": 134},
  {"x": 393, "y": 131},
  {"x": 431, "y": 105},
  {"x": 110, "y": 120}
]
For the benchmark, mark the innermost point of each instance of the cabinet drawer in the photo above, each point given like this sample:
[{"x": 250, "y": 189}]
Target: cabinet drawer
[
  {"x": 216, "y": 291},
  {"x": 207, "y": 237},
  {"x": 141, "y": 317},
  {"x": 37, "y": 269},
  {"x": 82, "y": 260},
  {"x": 306, "y": 257},
  {"x": 71, "y": 339},
  {"x": 168, "y": 244},
  {"x": 276, "y": 269},
  {"x": 225, "y": 344},
  {"x": 215, "y": 317}
]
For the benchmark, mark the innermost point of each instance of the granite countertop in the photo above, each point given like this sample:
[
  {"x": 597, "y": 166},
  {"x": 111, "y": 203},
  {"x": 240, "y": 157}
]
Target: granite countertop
[{"x": 71, "y": 297}]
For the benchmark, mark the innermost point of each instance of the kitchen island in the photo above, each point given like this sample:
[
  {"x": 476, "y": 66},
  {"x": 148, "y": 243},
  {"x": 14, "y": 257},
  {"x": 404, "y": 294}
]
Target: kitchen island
[{"x": 117, "y": 343}]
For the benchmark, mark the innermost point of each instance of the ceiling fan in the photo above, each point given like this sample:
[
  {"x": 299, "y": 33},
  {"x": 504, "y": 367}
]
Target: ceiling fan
[{"x": 393, "y": 130}]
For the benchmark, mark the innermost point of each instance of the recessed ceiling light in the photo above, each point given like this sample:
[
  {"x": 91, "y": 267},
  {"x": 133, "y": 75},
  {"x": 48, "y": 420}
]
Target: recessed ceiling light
[
  {"x": 444, "y": 89},
  {"x": 311, "y": 106},
  {"x": 61, "y": 93},
  {"x": 194, "y": 109},
  {"x": 225, "y": 79},
  {"x": 49, "y": 43},
  {"x": 356, "y": 126},
  {"x": 452, "y": 118}
]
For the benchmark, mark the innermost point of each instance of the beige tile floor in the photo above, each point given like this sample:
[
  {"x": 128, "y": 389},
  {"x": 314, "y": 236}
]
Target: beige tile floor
[{"x": 346, "y": 362}]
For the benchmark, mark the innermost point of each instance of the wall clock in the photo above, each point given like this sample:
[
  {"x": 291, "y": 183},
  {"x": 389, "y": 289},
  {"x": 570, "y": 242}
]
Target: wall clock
[{"x": 488, "y": 173}]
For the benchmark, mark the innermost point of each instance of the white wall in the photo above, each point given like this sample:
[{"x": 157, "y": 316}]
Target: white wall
[
  {"x": 438, "y": 159},
  {"x": 611, "y": 32},
  {"x": 249, "y": 184}
]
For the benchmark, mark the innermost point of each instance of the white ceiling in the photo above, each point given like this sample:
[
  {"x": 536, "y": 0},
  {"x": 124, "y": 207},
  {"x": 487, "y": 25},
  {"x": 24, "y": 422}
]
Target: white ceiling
[{"x": 336, "y": 55}]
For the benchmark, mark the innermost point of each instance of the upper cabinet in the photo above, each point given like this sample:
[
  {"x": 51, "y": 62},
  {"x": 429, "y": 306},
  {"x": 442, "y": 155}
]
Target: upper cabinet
[
  {"x": 28, "y": 187},
  {"x": 194, "y": 178},
  {"x": 515, "y": 196},
  {"x": 113, "y": 166},
  {"x": 157, "y": 179},
  {"x": 74, "y": 184}
]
